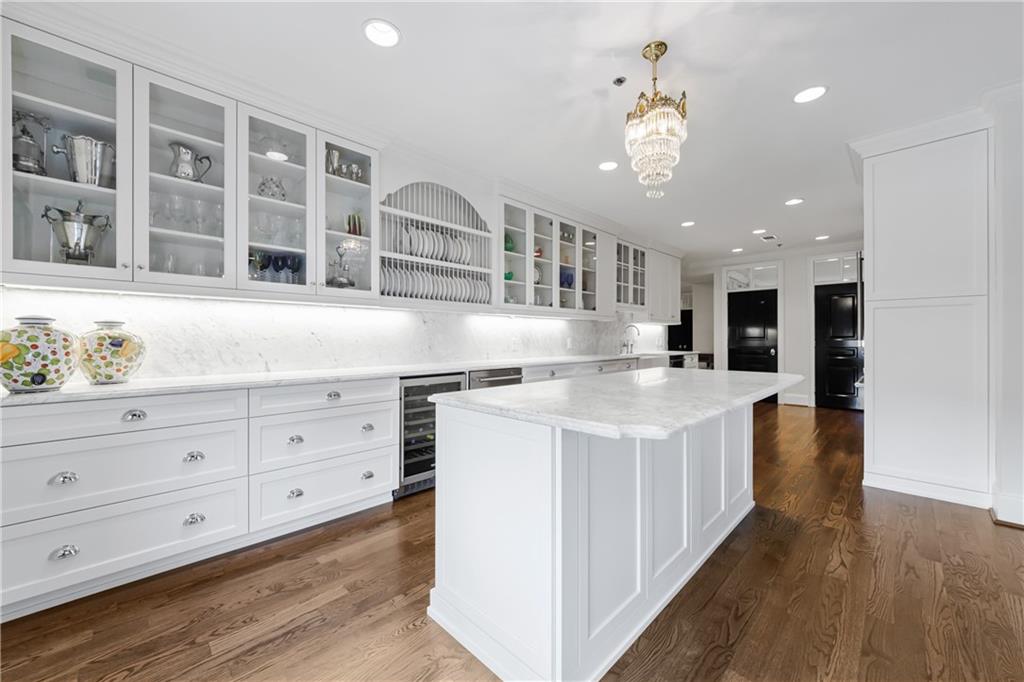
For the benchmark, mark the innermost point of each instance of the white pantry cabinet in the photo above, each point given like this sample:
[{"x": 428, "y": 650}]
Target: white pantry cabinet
[
  {"x": 59, "y": 90},
  {"x": 664, "y": 298},
  {"x": 185, "y": 187}
]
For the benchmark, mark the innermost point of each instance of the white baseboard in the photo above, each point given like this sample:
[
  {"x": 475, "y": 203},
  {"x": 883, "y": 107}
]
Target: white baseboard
[
  {"x": 50, "y": 599},
  {"x": 971, "y": 498},
  {"x": 1008, "y": 508},
  {"x": 796, "y": 399}
]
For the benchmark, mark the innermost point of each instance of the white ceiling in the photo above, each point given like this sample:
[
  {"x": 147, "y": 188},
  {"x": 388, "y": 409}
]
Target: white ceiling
[{"x": 523, "y": 91}]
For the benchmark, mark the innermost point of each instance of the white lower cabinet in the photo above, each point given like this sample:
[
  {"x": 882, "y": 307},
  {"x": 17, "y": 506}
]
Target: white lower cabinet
[
  {"x": 293, "y": 493},
  {"x": 546, "y": 372},
  {"x": 56, "y": 552},
  {"x": 45, "y": 479},
  {"x": 99, "y": 492},
  {"x": 289, "y": 439}
]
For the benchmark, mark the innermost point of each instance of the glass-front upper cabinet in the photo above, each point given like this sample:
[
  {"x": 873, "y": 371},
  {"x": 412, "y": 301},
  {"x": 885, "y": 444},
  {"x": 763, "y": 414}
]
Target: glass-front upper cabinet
[
  {"x": 67, "y": 185},
  {"x": 544, "y": 260},
  {"x": 347, "y": 263},
  {"x": 568, "y": 260},
  {"x": 276, "y": 202},
  {"x": 630, "y": 275},
  {"x": 516, "y": 271},
  {"x": 185, "y": 170},
  {"x": 588, "y": 269}
]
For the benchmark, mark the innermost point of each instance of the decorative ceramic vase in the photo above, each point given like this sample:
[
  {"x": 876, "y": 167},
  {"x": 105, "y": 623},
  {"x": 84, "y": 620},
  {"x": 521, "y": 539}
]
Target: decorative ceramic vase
[
  {"x": 510, "y": 243},
  {"x": 110, "y": 355},
  {"x": 35, "y": 356}
]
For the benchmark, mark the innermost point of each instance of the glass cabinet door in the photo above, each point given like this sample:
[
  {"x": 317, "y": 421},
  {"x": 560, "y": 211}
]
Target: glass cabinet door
[
  {"x": 543, "y": 259},
  {"x": 276, "y": 198},
  {"x": 588, "y": 270},
  {"x": 638, "y": 296},
  {"x": 622, "y": 273},
  {"x": 67, "y": 188},
  {"x": 516, "y": 273},
  {"x": 568, "y": 259},
  {"x": 347, "y": 263},
  {"x": 185, "y": 183}
]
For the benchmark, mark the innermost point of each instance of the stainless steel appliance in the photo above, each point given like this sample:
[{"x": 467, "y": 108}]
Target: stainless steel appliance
[
  {"x": 416, "y": 466},
  {"x": 495, "y": 377}
]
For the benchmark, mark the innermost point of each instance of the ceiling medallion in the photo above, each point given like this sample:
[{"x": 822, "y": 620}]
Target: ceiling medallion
[{"x": 655, "y": 129}]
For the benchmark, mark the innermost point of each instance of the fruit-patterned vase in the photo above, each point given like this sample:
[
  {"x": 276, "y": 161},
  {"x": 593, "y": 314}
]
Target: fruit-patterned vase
[
  {"x": 110, "y": 355},
  {"x": 35, "y": 356}
]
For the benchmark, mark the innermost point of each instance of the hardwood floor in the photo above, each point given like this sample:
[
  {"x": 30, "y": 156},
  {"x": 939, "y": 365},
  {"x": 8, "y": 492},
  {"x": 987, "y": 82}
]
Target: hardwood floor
[{"x": 823, "y": 580}]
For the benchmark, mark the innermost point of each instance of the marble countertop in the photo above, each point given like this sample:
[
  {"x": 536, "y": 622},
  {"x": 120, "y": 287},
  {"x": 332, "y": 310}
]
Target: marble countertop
[
  {"x": 78, "y": 390},
  {"x": 648, "y": 403}
]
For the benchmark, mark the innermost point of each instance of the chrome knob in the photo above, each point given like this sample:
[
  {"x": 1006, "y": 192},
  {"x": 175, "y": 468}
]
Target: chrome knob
[
  {"x": 334, "y": 395},
  {"x": 600, "y": 368},
  {"x": 125, "y": 266},
  {"x": 140, "y": 267},
  {"x": 551, "y": 373},
  {"x": 194, "y": 519},
  {"x": 296, "y": 440},
  {"x": 194, "y": 456},
  {"x": 64, "y": 478},
  {"x": 367, "y": 475},
  {"x": 64, "y": 552},
  {"x": 134, "y": 416},
  {"x": 367, "y": 427},
  {"x": 295, "y": 492}
]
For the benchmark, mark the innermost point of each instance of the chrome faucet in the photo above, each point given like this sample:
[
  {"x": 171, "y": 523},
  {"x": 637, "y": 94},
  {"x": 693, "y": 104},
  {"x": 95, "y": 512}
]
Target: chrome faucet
[{"x": 627, "y": 343}]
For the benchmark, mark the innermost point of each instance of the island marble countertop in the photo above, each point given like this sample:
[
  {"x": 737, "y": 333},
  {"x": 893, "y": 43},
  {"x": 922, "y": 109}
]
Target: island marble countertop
[
  {"x": 648, "y": 403},
  {"x": 78, "y": 390}
]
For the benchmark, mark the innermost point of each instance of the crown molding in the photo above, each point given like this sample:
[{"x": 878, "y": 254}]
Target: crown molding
[{"x": 962, "y": 123}]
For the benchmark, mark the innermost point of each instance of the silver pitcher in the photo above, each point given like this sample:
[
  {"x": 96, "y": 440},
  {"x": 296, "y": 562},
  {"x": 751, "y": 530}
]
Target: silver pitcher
[
  {"x": 185, "y": 162},
  {"x": 90, "y": 161},
  {"x": 335, "y": 163},
  {"x": 77, "y": 232}
]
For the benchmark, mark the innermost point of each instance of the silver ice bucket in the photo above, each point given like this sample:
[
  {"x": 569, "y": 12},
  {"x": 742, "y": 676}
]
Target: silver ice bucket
[{"x": 90, "y": 161}]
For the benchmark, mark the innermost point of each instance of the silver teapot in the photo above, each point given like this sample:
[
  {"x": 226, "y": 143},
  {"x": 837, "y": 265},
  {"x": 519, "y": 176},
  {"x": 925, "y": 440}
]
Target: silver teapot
[
  {"x": 28, "y": 154},
  {"x": 185, "y": 162},
  {"x": 77, "y": 232}
]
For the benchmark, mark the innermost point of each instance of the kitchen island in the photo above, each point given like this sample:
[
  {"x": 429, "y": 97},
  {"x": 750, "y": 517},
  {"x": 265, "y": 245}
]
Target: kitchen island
[{"x": 570, "y": 512}]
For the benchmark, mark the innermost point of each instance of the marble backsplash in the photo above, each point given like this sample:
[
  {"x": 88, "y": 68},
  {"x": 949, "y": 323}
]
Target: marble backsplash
[{"x": 196, "y": 336}]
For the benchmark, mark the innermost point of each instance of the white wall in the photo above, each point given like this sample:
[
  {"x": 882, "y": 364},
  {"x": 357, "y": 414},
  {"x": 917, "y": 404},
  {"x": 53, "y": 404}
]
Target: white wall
[
  {"x": 1007, "y": 312},
  {"x": 194, "y": 336},
  {"x": 797, "y": 343},
  {"x": 703, "y": 317}
]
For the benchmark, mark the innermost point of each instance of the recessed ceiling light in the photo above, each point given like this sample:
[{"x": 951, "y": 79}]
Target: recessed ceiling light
[
  {"x": 608, "y": 165},
  {"x": 821, "y": 237},
  {"x": 688, "y": 223},
  {"x": 759, "y": 231},
  {"x": 737, "y": 250},
  {"x": 380, "y": 32},
  {"x": 810, "y": 94},
  {"x": 794, "y": 201}
]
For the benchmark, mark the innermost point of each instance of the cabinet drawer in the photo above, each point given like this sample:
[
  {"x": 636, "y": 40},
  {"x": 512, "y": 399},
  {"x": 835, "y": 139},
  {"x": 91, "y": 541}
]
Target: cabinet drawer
[
  {"x": 40, "y": 556},
  {"x": 615, "y": 366},
  {"x": 289, "y": 494},
  {"x": 289, "y": 439},
  {"x": 264, "y": 401},
  {"x": 548, "y": 372},
  {"x": 38, "y": 423},
  {"x": 44, "y": 479}
]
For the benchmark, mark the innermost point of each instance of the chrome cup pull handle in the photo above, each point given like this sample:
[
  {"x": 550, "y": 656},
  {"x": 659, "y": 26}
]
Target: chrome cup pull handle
[
  {"x": 194, "y": 456},
  {"x": 334, "y": 395},
  {"x": 64, "y": 552},
  {"x": 64, "y": 478},
  {"x": 194, "y": 519},
  {"x": 367, "y": 427},
  {"x": 295, "y": 492},
  {"x": 134, "y": 416},
  {"x": 296, "y": 440},
  {"x": 367, "y": 475}
]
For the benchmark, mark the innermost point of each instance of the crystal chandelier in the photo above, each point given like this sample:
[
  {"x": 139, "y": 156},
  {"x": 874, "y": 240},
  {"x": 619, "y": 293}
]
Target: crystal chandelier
[{"x": 655, "y": 129}]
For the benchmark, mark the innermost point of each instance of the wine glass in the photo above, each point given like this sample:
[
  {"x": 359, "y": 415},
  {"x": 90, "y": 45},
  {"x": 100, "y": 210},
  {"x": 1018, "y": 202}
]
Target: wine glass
[
  {"x": 177, "y": 211},
  {"x": 278, "y": 263},
  {"x": 294, "y": 264}
]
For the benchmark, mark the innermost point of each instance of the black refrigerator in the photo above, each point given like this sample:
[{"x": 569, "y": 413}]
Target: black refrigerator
[{"x": 680, "y": 336}]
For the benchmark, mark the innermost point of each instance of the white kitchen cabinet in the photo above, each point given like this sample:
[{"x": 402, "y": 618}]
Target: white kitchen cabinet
[
  {"x": 185, "y": 187},
  {"x": 346, "y": 222},
  {"x": 66, "y": 90},
  {"x": 664, "y": 291},
  {"x": 276, "y": 203},
  {"x": 630, "y": 276},
  {"x": 926, "y": 220}
]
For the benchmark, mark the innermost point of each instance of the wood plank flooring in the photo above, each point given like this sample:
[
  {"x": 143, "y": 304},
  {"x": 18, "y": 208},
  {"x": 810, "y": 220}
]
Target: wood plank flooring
[{"x": 824, "y": 580}]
